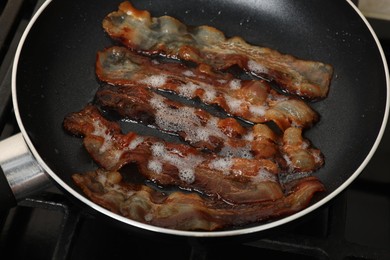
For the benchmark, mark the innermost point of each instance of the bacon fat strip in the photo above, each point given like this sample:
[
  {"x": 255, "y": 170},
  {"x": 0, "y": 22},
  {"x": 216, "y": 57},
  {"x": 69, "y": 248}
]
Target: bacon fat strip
[
  {"x": 139, "y": 31},
  {"x": 188, "y": 211},
  {"x": 238, "y": 180},
  {"x": 252, "y": 100}
]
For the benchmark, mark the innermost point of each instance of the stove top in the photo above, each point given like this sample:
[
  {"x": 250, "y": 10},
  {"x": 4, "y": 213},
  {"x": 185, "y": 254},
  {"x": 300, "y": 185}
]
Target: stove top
[{"x": 354, "y": 225}]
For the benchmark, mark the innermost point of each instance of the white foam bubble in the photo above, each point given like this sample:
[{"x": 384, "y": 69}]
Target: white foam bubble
[
  {"x": 108, "y": 143},
  {"x": 188, "y": 90},
  {"x": 155, "y": 166},
  {"x": 148, "y": 217},
  {"x": 185, "y": 164},
  {"x": 154, "y": 81},
  {"x": 240, "y": 152},
  {"x": 305, "y": 145},
  {"x": 235, "y": 84},
  {"x": 248, "y": 137},
  {"x": 234, "y": 104},
  {"x": 158, "y": 149},
  {"x": 209, "y": 95},
  {"x": 187, "y": 175},
  {"x": 258, "y": 110},
  {"x": 264, "y": 175},
  {"x": 135, "y": 142},
  {"x": 185, "y": 120},
  {"x": 256, "y": 67},
  {"x": 221, "y": 164},
  {"x": 102, "y": 131},
  {"x": 188, "y": 73}
]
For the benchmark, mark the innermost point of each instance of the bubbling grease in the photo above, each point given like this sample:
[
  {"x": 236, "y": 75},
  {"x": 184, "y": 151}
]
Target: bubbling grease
[
  {"x": 155, "y": 81},
  {"x": 235, "y": 84},
  {"x": 185, "y": 120},
  {"x": 185, "y": 164},
  {"x": 223, "y": 164},
  {"x": 210, "y": 93},
  {"x": 240, "y": 152}
]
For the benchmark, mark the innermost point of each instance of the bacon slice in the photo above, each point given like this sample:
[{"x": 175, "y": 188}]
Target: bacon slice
[
  {"x": 137, "y": 30},
  {"x": 205, "y": 131},
  {"x": 252, "y": 100},
  {"x": 200, "y": 129},
  {"x": 238, "y": 180},
  {"x": 188, "y": 211},
  {"x": 194, "y": 125}
]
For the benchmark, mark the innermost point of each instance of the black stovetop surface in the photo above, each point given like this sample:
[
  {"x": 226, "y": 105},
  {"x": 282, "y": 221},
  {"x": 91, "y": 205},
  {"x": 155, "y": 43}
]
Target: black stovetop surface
[{"x": 354, "y": 225}]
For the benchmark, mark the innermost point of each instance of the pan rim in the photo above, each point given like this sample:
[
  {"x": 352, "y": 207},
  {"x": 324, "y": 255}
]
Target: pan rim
[{"x": 225, "y": 233}]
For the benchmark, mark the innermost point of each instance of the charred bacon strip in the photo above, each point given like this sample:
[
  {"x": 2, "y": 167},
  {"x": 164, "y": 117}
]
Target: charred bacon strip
[
  {"x": 188, "y": 211},
  {"x": 252, "y": 100},
  {"x": 238, "y": 180},
  {"x": 139, "y": 31}
]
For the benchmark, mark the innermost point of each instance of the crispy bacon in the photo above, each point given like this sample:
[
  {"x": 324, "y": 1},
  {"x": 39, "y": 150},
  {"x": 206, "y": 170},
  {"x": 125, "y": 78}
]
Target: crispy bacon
[
  {"x": 238, "y": 180},
  {"x": 166, "y": 35},
  {"x": 252, "y": 100},
  {"x": 188, "y": 211}
]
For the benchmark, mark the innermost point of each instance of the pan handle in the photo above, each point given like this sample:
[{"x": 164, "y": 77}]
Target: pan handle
[{"x": 20, "y": 174}]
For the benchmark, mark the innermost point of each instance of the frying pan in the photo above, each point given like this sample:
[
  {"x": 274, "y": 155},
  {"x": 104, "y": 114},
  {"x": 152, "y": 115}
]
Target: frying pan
[{"x": 54, "y": 75}]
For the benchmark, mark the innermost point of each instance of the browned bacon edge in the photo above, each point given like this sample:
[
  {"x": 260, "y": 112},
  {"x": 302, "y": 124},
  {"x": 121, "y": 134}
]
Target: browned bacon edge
[
  {"x": 237, "y": 180},
  {"x": 188, "y": 211},
  {"x": 139, "y": 31},
  {"x": 252, "y": 100}
]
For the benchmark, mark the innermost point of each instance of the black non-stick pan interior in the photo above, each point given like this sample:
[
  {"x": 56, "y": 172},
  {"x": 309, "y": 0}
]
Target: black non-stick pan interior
[{"x": 56, "y": 73}]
